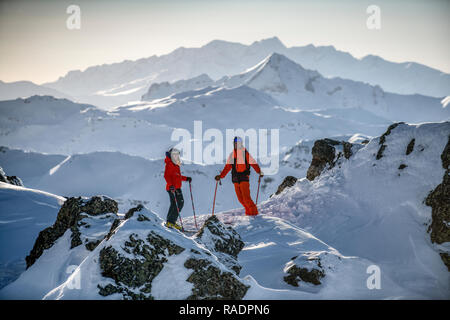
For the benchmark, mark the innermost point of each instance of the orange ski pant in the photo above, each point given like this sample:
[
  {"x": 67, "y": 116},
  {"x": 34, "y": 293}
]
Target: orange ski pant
[{"x": 243, "y": 194}]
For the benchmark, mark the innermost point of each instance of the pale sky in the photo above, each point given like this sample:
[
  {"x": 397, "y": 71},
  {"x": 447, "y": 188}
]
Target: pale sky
[{"x": 36, "y": 45}]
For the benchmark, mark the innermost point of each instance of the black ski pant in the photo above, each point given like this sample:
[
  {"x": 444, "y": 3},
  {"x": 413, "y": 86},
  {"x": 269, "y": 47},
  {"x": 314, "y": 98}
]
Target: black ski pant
[{"x": 172, "y": 215}]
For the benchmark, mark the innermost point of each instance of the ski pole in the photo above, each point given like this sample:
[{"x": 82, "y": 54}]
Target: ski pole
[
  {"x": 178, "y": 210},
  {"x": 257, "y": 193},
  {"x": 214, "y": 202},
  {"x": 193, "y": 209}
]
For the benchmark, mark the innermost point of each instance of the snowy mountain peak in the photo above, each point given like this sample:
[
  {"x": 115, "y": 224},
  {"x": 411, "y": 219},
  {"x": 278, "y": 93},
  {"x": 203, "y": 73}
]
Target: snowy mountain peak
[
  {"x": 276, "y": 60},
  {"x": 273, "y": 43}
]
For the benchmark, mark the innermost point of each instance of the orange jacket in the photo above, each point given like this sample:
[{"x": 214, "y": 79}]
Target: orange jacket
[{"x": 240, "y": 162}]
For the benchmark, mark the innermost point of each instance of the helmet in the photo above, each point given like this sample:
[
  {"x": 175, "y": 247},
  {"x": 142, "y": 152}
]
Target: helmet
[
  {"x": 174, "y": 155},
  {"x": 237, "y": 139}
]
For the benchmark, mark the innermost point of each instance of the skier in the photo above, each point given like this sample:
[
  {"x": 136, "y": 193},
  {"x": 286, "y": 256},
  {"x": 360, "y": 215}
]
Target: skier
[
  {"x": 173, "y": 178},
  {"x": 239, "y": 162}
]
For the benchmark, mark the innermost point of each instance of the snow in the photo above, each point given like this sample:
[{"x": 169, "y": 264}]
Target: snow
[
  {"x": 24, "y": 213},
  {"x": 371, "y": 209}
]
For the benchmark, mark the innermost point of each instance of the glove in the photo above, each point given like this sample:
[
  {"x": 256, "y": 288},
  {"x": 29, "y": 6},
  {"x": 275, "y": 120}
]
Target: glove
[
  {"x": 261, "y": 174},
  {"x": 217, "y": 177},
  {"x": 188, "y": 179},
  {"x": 172, "y": 189}
]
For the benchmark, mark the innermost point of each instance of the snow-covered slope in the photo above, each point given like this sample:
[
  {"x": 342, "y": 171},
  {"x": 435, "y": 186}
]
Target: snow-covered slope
[
  {"x": 112, "y": 84},
  {"x": 25, "y": 89},
  {"x": 273, "y": 245},
  {"x": 130, "y": 179},
  {"x": 24, "y": 213},
  {"x": 245, "y": 107},
  {"x": 164, "y": 89},
  {"x": 49, "y": 125},
  {"x": 145, "y": 129},
  {"x": 99, "y": 255},
  {"x": 103, "y": 256},
  {"x": 374, "y": 208},
  {"x": 403, "y": 78}
]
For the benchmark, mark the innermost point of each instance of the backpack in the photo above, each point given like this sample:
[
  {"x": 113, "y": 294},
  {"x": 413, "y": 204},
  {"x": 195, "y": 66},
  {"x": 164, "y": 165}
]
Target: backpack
[{"x": 236, "y": 176}]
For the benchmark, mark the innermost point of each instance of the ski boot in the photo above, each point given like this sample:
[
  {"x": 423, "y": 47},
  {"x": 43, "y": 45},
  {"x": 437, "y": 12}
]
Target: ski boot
[{"x": 173, "y": 225}]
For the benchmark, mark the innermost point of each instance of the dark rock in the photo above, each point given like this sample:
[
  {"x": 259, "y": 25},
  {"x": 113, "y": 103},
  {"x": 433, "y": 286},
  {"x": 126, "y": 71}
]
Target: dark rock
[
  {"x": 446, "y": 259},
  {"x": 212, "y": 283},
  {"x": 439, "y": 201},
  {"x": 383, "y": 139},
  {"x": 128, "y": 215},
  {"x": 402, "y": 166},
  {"x": 99, "y": 205},
  {"x": 410, "y": 146},
  {"x": 226, "y": 239},
  {"x": 222, "y": 240},
  {"x": 288, "y": 182},
  {"x": 131, "y": 212},
  {"x": 141, "y": 218},
  {"x": 295, "y": 274},
  {"x": 113, "y": 228},
  {"x": 92, "y": 245},
  {"x": 70, "y": 214},
  {"x": 135, "y": 275},
  {"x": 133, "y": 266},
  {"x": 310, "y": 267},
  {"x": 14, "y": 180},
  {"x": 324, "y": 154},
  {"x": 3, "y": 177}
]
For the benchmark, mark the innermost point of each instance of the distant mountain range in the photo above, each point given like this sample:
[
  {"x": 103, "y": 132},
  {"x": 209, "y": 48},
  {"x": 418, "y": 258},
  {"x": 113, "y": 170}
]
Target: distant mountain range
[
  {"x": 113, "y": 84},
  {"x": 25, "y": 89},
  {"x": 291, "y": 85}
]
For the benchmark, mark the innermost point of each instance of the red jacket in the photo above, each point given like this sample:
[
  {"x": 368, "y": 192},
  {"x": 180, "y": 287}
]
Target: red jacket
[{"x": 172, "y": 174}]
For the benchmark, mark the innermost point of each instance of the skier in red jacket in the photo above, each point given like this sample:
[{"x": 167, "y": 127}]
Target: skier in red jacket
[
  {"x": 174, "y": 178},
  {"x": 239, "y": 161}
]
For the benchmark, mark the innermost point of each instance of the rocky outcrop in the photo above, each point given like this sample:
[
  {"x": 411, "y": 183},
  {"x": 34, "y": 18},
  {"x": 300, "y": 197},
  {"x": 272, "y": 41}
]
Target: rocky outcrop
[
  {"x": 297, "y": 274},
  {"x": 439, "y": 201},
  {"x": 223, "y": 241},
  {"x": 133, "y": 276},
  {"x": 210, "y": 282},
  {"x": 14, "y": 180},
  {"x": 135, "y": 257},
  {"x": 75, "y": 214},
  {"x": 288, "y": 182},
  {"x": 324, "y": 154},
  {"x": 133, "y": 264},
  {"x": 310, "y": 267}
]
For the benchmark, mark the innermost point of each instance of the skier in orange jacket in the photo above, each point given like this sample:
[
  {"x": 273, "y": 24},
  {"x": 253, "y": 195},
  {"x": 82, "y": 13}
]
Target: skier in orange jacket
[{"x": 239, "y": 162}]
